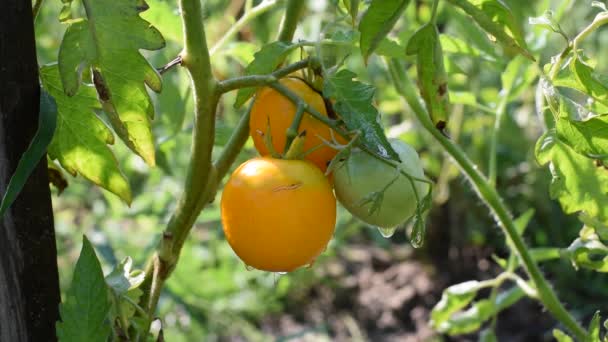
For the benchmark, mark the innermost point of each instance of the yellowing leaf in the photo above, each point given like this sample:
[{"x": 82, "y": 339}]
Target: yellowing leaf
[
  {"x": 81, "y": 139},
  {"x": 108, "y": 42}
]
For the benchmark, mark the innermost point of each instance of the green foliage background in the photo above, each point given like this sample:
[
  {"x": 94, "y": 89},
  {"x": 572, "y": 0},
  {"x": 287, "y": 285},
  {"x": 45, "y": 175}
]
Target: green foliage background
[{"x": 211, "y": 295}]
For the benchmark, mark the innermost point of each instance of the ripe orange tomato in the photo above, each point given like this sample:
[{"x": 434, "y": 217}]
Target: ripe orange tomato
[
  {"x": 278, "y": 214},
  {"x": 271, "y": 107}
]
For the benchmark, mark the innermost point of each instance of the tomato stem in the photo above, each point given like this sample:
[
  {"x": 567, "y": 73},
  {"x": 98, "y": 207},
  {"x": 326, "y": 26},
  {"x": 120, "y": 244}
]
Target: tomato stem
[
  {"x": 490, "y": 197},
  {"x": 292, "y": 131}
]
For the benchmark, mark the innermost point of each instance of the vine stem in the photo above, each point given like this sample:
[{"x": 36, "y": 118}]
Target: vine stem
[{"x": 490, "y": 197}]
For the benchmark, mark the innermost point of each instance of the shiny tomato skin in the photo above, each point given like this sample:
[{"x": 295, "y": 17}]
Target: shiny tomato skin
[{"x": 277, "y": 214}]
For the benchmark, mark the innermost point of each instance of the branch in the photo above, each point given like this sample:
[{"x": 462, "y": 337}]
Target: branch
[
  {"x": 490, "y": 197},
  {"x": 176, "y": 61},
  {"x": 262, "y": 80},
  {"x": 290, "y": 19}
]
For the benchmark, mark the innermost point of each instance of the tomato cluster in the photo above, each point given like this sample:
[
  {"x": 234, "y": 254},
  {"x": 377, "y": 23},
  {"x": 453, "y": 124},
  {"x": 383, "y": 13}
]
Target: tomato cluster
[{"x": 279, "y": 214}]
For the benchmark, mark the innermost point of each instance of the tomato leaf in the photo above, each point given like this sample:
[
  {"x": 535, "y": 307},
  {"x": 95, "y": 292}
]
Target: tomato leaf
[
  {"x": 589, "y": 252},
  {"x": 86, "y": 306},
  {"x": 377, "y": 22},
  {"x": 81, "y": 140},
  {"x": 497, "y": 19},
  {"x": 108, "y": 42},
  {"x": 577, "y": 182},
  {"x": 588, "y": 81},
  {"x": 353, "y": 102},
  {"x": 265, "y": 61},
  {"x": 453, "y": 299},
  {"x": 470, "y": 320},
  {"x": 47, "y": 122},
  {"x": 432, "y": 77}
]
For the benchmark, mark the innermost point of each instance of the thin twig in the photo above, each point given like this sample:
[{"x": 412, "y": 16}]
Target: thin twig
[{"x": 176, "y": 61}]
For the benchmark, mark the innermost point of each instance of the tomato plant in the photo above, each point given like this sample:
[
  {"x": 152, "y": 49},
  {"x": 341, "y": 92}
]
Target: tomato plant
[
  {"x": 278, "y": 214},
  {"x": 472, "y": 86}
]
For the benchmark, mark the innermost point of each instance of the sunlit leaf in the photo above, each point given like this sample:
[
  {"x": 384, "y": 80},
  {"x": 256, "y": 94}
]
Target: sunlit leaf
[
  {"x": 453, "y": 299},
  {"x": 81, "y": 140},
  {"x": 577, "y": 182},
  {"x": 560, "y": 336},
  {"x": 108, "y": 41}
]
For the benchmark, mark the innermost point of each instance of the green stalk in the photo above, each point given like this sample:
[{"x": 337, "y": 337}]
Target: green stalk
[
  {"x": 293, "y": 10},
  {"x": 490, "y": 197},
  {"x": 195, "y": 58}
]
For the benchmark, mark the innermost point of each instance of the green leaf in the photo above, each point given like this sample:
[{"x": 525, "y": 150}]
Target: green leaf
[
  {"x": 353, "y": 102},
  {"x": 588, "y": 81},
  {"x": 453, "y": 299},
  {"x": 594, "y": 329},
  {"x": 84, "y": 312},
  {"x": 265, "y": 61},
  {"x": 81, "y": 141},
  {"x": 471, "y": 320},
  {"x": 108, "y": 42},
  {"x": 432, "y": 77},
  {"x": 123, "y": 278},
  {"x": 560, "y": 336},
  {"x": 497, "y": 19},
  {"x": 522, "y": 221},
  {"x": 47, "y": 121},
  {"x": 377, "y": 22},
  {"x": 390, "y": 48},
  {"x": 577, "y": 182}
]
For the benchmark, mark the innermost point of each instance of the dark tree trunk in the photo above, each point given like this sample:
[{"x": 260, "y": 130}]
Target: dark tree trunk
[{"x": 29, "y": 285}]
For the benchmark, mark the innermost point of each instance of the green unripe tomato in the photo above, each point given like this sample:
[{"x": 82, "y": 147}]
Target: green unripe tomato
[{"x": 362, "y": 175}]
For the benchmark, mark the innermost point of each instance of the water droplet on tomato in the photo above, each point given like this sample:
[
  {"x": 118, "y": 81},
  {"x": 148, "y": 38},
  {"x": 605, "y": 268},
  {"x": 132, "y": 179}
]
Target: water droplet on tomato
[
  {"x": 281, "y": 273},
  {"x": 387, "y": 232},
  {"x": 249, "y": 268}
]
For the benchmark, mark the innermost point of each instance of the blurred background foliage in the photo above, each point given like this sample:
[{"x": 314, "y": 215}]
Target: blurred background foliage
[{"x": 364, "y": 286}]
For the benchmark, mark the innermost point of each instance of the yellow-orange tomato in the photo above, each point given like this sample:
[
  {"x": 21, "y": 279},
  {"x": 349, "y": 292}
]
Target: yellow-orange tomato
[
  {"x": 278, "y": 214},
  {"x": 271, "y": 107}
]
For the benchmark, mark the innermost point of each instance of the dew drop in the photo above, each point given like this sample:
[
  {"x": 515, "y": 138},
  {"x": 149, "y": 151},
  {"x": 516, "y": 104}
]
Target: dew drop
[
  {"x": 281, "y": 273},
  {"x": 418, "y": 232},
  {"x": 387, "y": 232}
]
